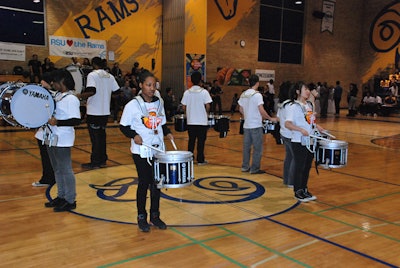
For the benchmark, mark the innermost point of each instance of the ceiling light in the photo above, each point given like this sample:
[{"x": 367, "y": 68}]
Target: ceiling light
[
  {"x": 298, "y": 2},
  {"x": 36, "y": 1}
]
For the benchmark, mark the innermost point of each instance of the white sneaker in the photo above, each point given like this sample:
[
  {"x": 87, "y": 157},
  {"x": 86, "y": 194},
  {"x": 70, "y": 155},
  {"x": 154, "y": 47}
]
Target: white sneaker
[
  {"x": 38, "y": 184},
  {"x": 203, "y": 163}
]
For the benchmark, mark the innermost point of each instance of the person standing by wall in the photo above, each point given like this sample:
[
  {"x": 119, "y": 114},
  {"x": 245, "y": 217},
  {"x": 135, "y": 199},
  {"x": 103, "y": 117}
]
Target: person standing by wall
[
  {"x": 99, "y": 87},
  {"x": 196, "y": 103},
  {"x": 251, "y": 107},
  {"x": 352, "y": 100},
  {"x": 35, "y": 69},
  {"x": 337, "y": 96},
  {"x": 216, "y": 92}
]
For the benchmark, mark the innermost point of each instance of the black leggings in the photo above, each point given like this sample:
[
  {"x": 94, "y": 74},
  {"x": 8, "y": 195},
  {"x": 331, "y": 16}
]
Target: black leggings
[{"x": 146, "y": 181}]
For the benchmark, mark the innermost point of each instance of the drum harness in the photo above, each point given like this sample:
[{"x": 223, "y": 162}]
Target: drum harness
[
  {"x": 49, "y": 138},
  {"x": 144, "y": 152},
  {"x": 314, "y": 134}
]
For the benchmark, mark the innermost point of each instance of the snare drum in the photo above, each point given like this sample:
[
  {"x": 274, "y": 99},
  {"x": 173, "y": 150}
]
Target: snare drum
[
  {"x": 24, "y": 105},
  {"x": 222, "y": 125},
  {"x": 173, "y": 169},
  {"x": 180, "y": 122},
  {"x": 78, "y": 77},
  {"x": 268, "y": 126},
  {"x": 211, "y": 120},
  {"x": 332, "y": 154}
]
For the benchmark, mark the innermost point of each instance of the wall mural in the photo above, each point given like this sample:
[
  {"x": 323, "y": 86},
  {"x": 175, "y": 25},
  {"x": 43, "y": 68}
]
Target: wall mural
[
  {"x": 384, "y": 38},
  {"x": 133, "y": 26},
  {"x": 226, "y": 15}
]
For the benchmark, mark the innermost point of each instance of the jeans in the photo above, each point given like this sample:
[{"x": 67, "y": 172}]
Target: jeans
[
  {"x": 200, "y": 133},
  {"x": 60, "y": 158},
  {"x": 97, "y": 132},
  {"x": 288, "y": 163},
  {"x": 146, "y": 181},
  {"x": 302, "y": 165},
  {"x": 253, "y": 137}
]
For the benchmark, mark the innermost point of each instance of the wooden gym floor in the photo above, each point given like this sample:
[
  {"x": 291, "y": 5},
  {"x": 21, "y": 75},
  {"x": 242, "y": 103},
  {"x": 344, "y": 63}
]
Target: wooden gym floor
[{"x": 225, "y": 219}]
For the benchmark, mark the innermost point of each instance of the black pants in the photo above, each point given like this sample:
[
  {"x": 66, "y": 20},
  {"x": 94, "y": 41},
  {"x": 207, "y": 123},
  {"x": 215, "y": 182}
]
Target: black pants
[
  {"x": 200, "y": 133},
  {"x": 302, "y": 165},
  {"x": 146, "y": 181},
  {"x": 216, "y": 102},
  {"x": 47, "y": 168},
  {"x": 97, "y": 131},
  {"x": 337, "y": 105}
]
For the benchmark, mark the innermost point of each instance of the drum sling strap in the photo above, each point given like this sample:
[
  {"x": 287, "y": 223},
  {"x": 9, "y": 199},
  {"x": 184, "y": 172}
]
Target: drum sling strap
[
  {"x": 145, "y": 151},
  {"x": 316, "y": 145},
  {"x": 49, "y": 138}
]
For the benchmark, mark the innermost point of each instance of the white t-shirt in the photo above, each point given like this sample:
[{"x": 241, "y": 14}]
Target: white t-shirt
[
  {"x": 282, "y": 115},
  {"x": 301, "y": 115},
  {"x": 146, "y": 118},
  {"x": 105, "y": 84},
  {"x": 249, "y": 101},
  {"x": 67, "y": 107},
  {"x": 271, "y": 88},
  {"x": 195, "y": 99}
]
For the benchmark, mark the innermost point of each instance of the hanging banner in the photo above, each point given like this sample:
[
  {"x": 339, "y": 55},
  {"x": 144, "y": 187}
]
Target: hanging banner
[
  {"x": 10, "y": 51},
  {"x": 77, "y": 47},
  {"x": 328, "y": 7},
  {"x": 265, "y": 75},
  {"x": 195, "y": 63}
]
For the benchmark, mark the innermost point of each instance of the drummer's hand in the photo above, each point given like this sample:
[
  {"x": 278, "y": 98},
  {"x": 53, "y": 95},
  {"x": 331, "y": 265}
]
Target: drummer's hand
[
  {"x": 170, "y": 136},
  {"x": 138, "y": 140},
  {"x": 304, "y": 132},
  {"x": 321, "y": 129},
  {"x": 52, "y": 121}
]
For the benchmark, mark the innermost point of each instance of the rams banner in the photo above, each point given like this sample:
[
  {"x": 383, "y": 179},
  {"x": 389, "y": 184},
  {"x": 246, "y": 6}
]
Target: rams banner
[{"x": 77, "y": 47}]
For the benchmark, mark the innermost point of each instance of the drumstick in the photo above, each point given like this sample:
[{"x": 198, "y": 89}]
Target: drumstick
[
  {"x": 330, "y": 135},
  {"x": 47, "y": 107},
  {"x": 173, "y": 144},
  {"x": 318, "y": 137},
  {"x": 154, "y": 148}
]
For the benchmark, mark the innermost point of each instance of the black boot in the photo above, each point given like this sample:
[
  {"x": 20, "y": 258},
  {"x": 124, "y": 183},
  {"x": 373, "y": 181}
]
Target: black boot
[
  {"x": 143, "y": 225},
  {"x": 155, "y": 220}
]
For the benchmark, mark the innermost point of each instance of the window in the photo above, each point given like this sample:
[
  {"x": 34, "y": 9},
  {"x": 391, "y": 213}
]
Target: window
[
  {"x": 22, "y": 22},
  {"x": 281, "y": 31}
]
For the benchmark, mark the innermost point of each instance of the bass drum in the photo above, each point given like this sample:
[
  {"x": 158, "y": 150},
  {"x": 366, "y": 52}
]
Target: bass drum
[
  {"x": 77, "y": 75},
  {"x": 23, "y": 105}
]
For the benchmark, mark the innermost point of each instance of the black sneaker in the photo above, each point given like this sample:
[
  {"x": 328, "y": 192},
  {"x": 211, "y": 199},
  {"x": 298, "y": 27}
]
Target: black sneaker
[
  {"x": 90, "y": 166},
  {"x": 300, "y": 195},
  {"x": 156, "y": 221},
  {"x": 309, "y": 195},
  {"x": 260, "y": 171},
  {"x": 143, "y": 225},
  {"x": 55, "y": 202},
  {"x": 65, "y": 207}
]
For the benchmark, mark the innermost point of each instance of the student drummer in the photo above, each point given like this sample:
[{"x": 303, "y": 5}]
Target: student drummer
[{"x": 143, "y": 120}]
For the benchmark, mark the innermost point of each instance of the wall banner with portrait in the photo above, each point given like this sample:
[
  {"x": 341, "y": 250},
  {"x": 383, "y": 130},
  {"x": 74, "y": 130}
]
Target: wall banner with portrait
[
  {"x": 195, "y": 63},
  {"x": 265, "y": 75},
  {"x": 228, "y": 76}
]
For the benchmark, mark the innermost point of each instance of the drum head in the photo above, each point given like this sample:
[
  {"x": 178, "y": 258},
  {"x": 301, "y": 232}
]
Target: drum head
[
  {"x": 77, "y": 75},
  {"x": 32, "y": 106},
  {"x": 174, "y": 156}
]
